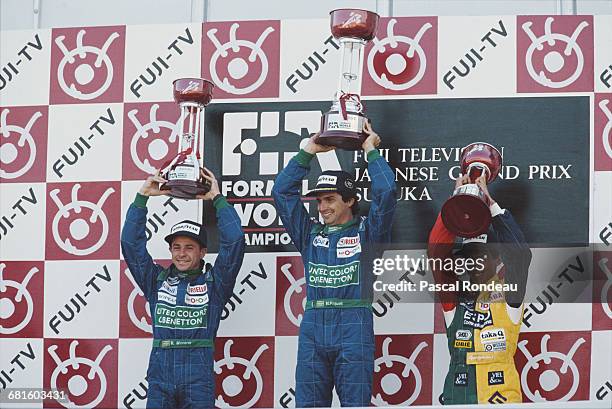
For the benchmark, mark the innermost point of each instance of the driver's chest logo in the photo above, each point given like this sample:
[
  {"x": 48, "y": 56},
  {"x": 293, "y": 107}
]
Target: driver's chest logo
[{"x": 192, "y": 313}]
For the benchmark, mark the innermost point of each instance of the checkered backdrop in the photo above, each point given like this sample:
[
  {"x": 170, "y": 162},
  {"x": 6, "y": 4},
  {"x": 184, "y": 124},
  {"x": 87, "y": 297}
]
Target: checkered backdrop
[{"x": 86, "y": 113}]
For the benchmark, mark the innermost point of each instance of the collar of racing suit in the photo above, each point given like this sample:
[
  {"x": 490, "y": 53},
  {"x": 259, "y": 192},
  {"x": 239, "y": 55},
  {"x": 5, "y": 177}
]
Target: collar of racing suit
[
  {"x": 339, "y": 227},
  {"x": 190, "y": 274}
]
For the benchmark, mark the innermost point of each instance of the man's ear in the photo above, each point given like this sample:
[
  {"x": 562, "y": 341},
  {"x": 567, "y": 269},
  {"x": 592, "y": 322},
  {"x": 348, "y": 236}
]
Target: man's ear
[{"x": 203, "y": 251}]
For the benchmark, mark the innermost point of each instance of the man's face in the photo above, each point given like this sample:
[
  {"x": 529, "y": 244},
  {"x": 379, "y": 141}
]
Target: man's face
[
  {"x": 333, "y": 209},
  {"x": 186, "y": 253},
  {"x": 482, "y": 276}
]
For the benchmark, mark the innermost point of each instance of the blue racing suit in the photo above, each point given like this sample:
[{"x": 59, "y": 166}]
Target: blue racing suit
[
  {"x": 185, "y": 309},
  {"x": 336, "y": 342}
]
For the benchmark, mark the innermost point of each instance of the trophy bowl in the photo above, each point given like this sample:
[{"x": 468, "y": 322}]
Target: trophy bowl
[
  {"x": 466, "y": 213},
  {"x": 353, "y": 23},
  {"x": 480, "y": 157},
  {"x": 182, "y": 173},
  {"x": 197, "y": 91}
]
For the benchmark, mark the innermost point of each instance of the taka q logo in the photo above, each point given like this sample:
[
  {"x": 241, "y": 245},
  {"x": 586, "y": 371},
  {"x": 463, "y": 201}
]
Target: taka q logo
[
  {"x": 16, "y": 303},
  {"x": 81, "y": 377},
  {"x": 88, "y": 224},
  {"x": 90, "y": 67}
]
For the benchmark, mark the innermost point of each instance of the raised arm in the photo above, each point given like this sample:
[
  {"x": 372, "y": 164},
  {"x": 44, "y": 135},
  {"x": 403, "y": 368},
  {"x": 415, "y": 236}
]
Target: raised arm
[
  {"x": 287, "y": 198},
  {"x": 134, "y": 240},
  {"x": 512, "y": 246},
  {"x": 380, "y": 217}
]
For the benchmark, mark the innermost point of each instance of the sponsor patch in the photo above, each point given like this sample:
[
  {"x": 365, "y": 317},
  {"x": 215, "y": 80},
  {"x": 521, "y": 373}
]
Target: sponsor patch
[
  {"x": 477, "y": 319},
  {"x": 197, "y": 289},
  {"x": 321, "y": 275},
  {"x": 348, "y": 252},
  {"x": 492, "y": 335},
  {"x": 496, "y": 378},
  {"x": 484, "y": 306},
  {"x": 348, "y": 242},
  {"x": 173, "y": 280},
  {"x": 185, "y": 227},
  {"x": 496, "y": 296},
  {"x": 327, "y": 180},
  {"x": 169, "y": 288},
  {"x": 461, "y": 379},
  {"x": 183, "y": 318},
  {"x": 320, "y": 241},
  {"x": 165, "y": 297},
  {"x": 463, "y": 344},
  {"x": 463, "y": 334},
  {"x": 495, "y": 347},
  {"x": 196, "y": 299}
]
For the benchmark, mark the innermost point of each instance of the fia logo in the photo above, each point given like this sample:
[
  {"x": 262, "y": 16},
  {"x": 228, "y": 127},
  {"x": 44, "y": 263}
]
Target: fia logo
[
  {"x": 16, "y": 302},
  {"x": 393, "y": 370},
  {"x": 136, "y": 301},
  {"x": 81, "y": 227},
  {"x": 17, "y": 146},
  {"x": 547, "y": 366},
  {"x": 247, "y": 64},
  {"x": 561, "y": 57},
  {"x": 268, "y": 144},
  {"x": 155, "y": 141},
  {"x": 242, "y": 382},
  {"x": 86, "y": 72},
  {"x": 80, "y": 376}
]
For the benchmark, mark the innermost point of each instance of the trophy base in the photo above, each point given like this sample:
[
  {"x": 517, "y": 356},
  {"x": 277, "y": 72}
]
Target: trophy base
[
  {"x": 342, "y": 133},
  {"x": 186, "y": 189},
  {"x": 466, "y": 214}
]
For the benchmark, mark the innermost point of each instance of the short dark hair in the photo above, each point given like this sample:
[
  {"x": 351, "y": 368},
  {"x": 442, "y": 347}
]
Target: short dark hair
[{"x": 355, "y": 206}]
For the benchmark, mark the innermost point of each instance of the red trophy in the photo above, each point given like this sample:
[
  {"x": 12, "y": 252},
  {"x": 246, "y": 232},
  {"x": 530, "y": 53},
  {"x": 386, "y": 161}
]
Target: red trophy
[
  {"x": 183, "y": 172},
  {"x": 342, "y": 125},
  {"x": 466, "y": 213}
]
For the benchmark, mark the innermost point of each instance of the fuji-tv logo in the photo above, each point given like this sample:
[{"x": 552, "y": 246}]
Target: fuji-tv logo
[
  {"x": 87, "y": 65},
  {"x": 555, "y": 53},
  {"x": 242, "y": 58},
  {"x": 21, "y": 299},
  {"x": 245, "y": 372},
  {"x": 260, "y": 139},
  {"x": 290, "y": 293},
  {"x": 402, "y": 57}
]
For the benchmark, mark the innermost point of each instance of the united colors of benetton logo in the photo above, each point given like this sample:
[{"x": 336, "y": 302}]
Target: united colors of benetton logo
[
  {"x": 402, "y": 58},
  {"x": 87, "y": 65},
  {"x": 554, "y": 53},
  {"x": 23, "y": 144},
  {"x": 242, "y": 58},
  {"x": 151, "y": 137}
]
